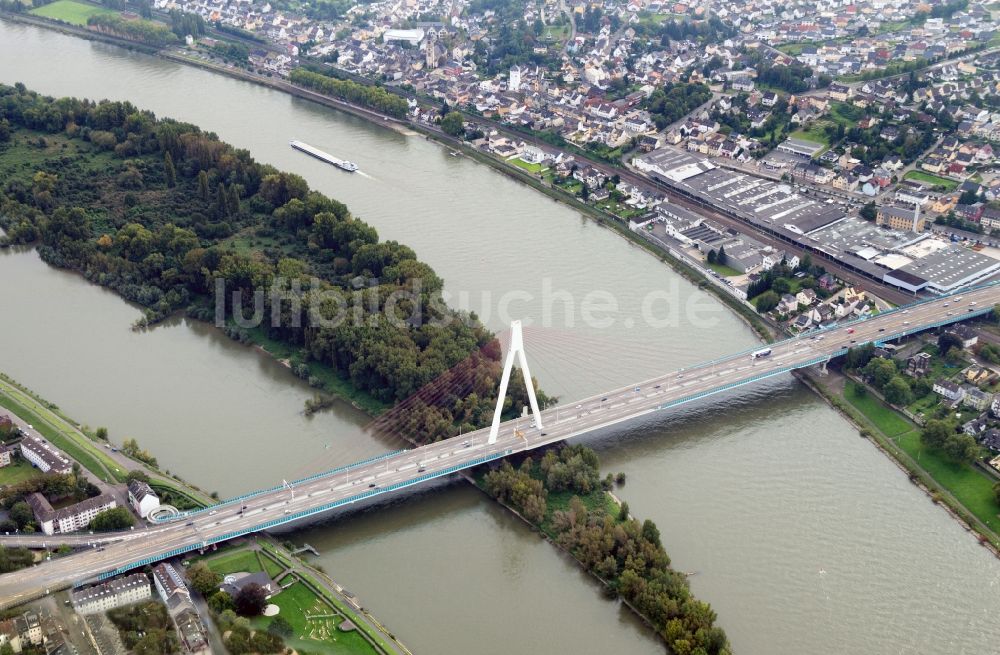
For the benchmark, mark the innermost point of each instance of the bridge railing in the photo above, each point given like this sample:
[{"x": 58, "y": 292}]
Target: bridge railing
[
  {"x": 254, "y": 494},
  {"x": 297, "y": 516}
]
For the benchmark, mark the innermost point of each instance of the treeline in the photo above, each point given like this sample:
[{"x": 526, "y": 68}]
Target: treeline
[
  {"x": 144, "y": 31},
  {"x": 372, "y": 97},
  {"x": 156, "y": 223},
  {"x": 626, "y": 554},
  {"x": 183, "y": 24},
  {"x": 673, "y": 101},
  {"x": 793, "y": 78}
]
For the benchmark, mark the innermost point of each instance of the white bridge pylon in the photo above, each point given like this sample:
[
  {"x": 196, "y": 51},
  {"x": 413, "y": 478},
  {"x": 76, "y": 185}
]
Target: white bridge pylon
[{"x": 516, "y": 347}]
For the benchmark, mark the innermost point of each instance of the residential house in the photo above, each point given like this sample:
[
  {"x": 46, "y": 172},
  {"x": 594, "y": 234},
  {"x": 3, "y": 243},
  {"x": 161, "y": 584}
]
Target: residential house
[
  {"x": 949, "y": 390},
  {"x": 977, "y": 399},
  {"x": 142, "y": 498},
  {"x": 967, "y": 335},
  {"x": 918, "y": 365}
]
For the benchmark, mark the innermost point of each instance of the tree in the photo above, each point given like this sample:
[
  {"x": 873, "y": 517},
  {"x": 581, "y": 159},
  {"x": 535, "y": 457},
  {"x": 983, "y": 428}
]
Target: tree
[
  {"x": 713, "y": 257},
  {"x": 102, "y": 434},
  {"x": 452, "y": 124},
  {"x": 968, "y": 197},
  {"x": 897, "y": 391},
  {"x": 936, "y": 433},
  {"x": 21, "y": 514},
  {"x": 203, "y": 185},
  {"x": 203, "y": 579},
  {"x": 947, "y": 341},
  {"x": 623, "y": 512},
  {"x": 281, "y": 627},
  {"x": 961, "y": 448},
  {"x": 880, "y": 370},
  {"x": 250, "y": 600},
  {"x": 781, "y": 285},
  {"x": 169, "y": 172},
  {"x": 868, "y": 212},
  {"x": 722, "y": 258},
  {"x": 116, "y": 518},
  {"x": 221, "y": 603},
  {"x": 996, "y": 492},
  {"x": 766, "y": 301}
]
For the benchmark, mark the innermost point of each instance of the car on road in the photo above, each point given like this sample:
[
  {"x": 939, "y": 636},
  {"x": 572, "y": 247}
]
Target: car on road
[
  {"x": 604, "y": 399},
  {"x": 466, "y": 444},
  {"x": 372, "y": 485}
]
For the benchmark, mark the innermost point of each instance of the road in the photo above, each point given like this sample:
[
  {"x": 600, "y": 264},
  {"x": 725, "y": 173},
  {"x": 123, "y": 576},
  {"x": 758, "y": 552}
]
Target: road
[{"x": 359, "y": 482}]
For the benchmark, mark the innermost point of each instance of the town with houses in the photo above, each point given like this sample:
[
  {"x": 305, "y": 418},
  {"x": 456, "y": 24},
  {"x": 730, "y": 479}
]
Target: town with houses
[{"x": 863, "y": 133}]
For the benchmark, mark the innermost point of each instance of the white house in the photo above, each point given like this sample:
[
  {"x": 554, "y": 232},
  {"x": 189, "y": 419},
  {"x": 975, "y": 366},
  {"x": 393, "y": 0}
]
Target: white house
[
  {"x": 142, "y": 498},
  {"x": 949, "y": 390},
  {"x": 44, "y": 456}
]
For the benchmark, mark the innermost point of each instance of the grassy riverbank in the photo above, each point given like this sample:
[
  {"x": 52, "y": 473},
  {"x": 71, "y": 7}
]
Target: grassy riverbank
[
  {"x": 314, "y": 608},
  {"x": 963, "y": 488},
  {"x": 80, "y": 444}
]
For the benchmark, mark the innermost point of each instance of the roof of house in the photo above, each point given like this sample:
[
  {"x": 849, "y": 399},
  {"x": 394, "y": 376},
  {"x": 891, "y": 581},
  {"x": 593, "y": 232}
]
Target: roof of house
[
  {"x": 110, "y": 588},
  {"x": 139, "y": 490}
]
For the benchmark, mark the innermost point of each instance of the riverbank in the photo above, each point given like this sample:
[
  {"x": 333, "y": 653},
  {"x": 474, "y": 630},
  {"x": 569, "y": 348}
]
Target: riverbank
[
  {"x": 832, "y": 387},
  {"x": 80, "y": 444}
]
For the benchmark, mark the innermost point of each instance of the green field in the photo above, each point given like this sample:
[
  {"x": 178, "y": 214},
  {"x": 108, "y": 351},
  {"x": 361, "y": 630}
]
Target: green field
[
  {"x": 237, "y": 561},
  {"x": 56, "y": 429},
  {"x": 814, "y": 134},
  {"x": 17, "y": 471},
  {"x": 723, "y": 270},
  {"x": 315, "y": 624},
  {"x": 69, "y": 11},
  {"x": 528, "y": 166},
  {"x": 885, "y": 418},
  {"x": 927, "y": 178}
]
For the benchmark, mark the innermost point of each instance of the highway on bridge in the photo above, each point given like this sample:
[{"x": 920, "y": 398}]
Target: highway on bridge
[{"x": 109, "y": 555}]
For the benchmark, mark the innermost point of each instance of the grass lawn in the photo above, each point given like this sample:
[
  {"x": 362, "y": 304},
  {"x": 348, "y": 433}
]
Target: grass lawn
[
  {"x": 555, "y": 33},
  {"x": 315, "y": 623},
  {"x": 62, "y": 435},
  {"x": 235, "y": 562},
  {"x": 972, "y": 488},
  {"x": 528, "y": 166},
  {"x": 921, "y": 176},
  {"x": 793, "y": 49},
  {"x": 723, "y": 270},
  {"x": 814, "y": 134},
  {"x": 18, "y": 471},
  {"x": 885, "y": 419},
  {"x": 69, "y": 11}
]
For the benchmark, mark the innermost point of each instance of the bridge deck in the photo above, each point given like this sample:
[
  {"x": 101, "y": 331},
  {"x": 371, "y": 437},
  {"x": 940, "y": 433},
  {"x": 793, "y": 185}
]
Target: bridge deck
[{"x": 346, "y": 485}]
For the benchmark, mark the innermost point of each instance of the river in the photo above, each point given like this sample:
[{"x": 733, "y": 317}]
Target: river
[{"x": 803, "y": 537}]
